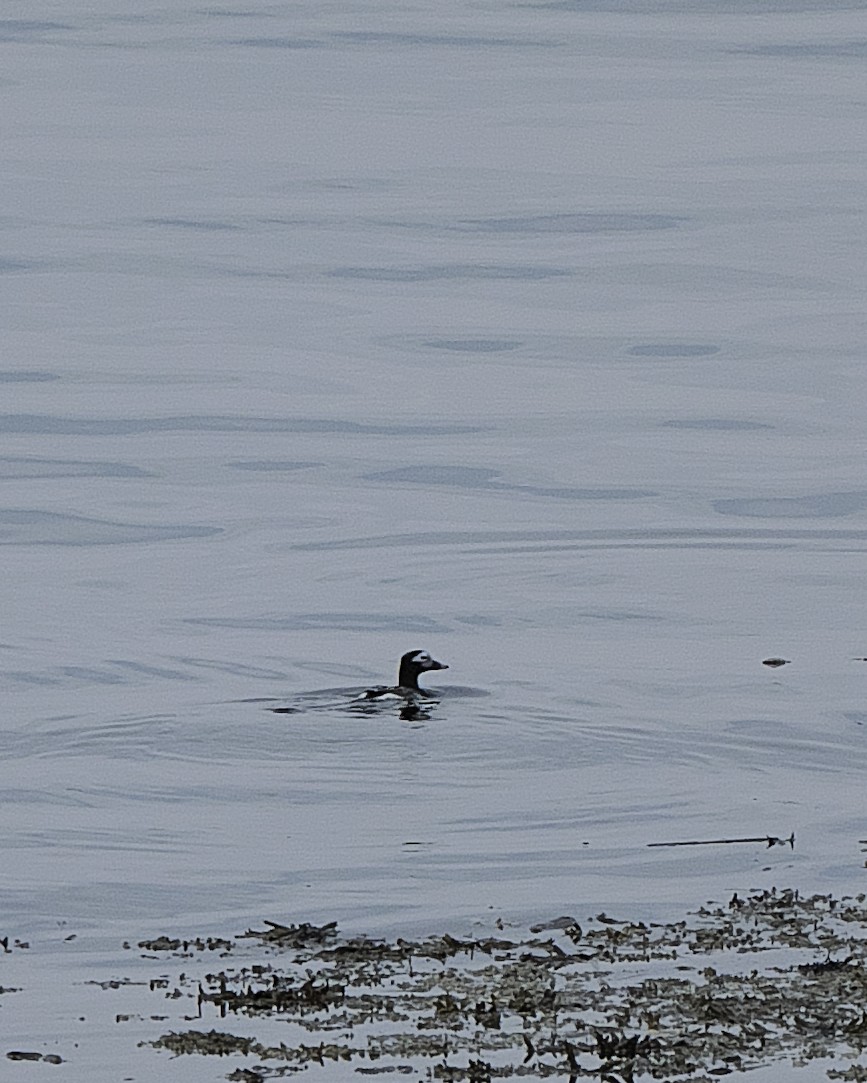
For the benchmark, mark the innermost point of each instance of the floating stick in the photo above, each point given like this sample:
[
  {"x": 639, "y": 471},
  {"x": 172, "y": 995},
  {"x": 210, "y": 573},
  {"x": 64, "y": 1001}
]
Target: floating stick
[{"x": 770, "y": 840}]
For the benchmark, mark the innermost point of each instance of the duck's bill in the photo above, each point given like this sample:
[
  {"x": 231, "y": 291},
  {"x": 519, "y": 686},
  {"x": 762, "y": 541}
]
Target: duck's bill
[{"x": 434, "y": 664}]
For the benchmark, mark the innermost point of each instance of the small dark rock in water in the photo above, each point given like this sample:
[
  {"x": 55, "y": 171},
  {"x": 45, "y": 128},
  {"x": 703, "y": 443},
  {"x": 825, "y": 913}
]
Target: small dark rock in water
[{"x": 775, "y": 662}]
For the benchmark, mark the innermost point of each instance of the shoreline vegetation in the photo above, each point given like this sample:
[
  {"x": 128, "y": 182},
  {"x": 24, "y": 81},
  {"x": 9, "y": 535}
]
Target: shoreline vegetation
[{"x": 772, "y": 977}]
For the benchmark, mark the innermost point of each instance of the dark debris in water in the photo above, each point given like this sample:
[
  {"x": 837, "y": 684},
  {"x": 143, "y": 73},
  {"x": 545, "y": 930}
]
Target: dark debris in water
[
  {"x": 4, "y": 945},
  {"x": 768, "y": 840},
  {"x": 185, "y": 947},
  {"x": 760, "y": 979},
  {"x": 46, "y": 1058},
  {"x": 295, "y": 936}
]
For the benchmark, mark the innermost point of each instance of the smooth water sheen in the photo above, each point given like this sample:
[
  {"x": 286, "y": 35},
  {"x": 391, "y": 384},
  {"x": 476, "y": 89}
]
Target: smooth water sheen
[{"x": 529, "y": 334}]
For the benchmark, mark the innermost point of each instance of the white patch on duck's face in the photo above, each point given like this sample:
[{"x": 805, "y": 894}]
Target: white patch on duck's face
[{"x": 422, "y": 659}]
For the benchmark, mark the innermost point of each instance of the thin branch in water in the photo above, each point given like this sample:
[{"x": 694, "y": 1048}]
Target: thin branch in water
[{"x": 769, "y": 840}]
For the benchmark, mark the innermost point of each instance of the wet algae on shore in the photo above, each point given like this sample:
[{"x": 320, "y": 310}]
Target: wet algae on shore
[{"x": 772, "y": 977}]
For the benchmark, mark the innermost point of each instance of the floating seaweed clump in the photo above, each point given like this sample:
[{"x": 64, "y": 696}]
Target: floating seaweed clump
[
  {"x": 197, "y": 1041},
  {"x": 186, "y": 947},
  {"x": 730, "y": 988}
]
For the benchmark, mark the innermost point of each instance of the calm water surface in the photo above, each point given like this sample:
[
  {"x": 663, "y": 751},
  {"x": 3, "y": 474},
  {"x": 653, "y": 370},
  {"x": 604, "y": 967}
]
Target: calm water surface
[{"x": 529, "y": 334}]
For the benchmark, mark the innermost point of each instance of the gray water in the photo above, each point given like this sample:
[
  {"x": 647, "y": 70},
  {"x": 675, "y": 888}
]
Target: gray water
[{"x": 531, "y": 334}]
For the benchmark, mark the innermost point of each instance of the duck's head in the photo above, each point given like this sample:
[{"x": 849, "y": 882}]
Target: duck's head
[{"x": 412, "y": 664}]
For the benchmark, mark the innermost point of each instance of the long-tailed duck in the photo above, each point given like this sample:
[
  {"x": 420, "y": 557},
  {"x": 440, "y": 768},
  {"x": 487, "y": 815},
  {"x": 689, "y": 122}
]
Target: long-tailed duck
[{"x": 411, "y": 665}]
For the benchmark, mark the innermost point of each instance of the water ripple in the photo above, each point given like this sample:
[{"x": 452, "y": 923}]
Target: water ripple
[
  {"x": 344, "y": 622},
  {"x": 815, "y": 505},
  {"x": 25, "y": 376},
  {"x": 14, "y": 466},
  {"x": 562, "y": 539},
  {"x": 42, "y": 424},
  {"x": 27, "y": 526},
  {"x": 451, "y": 272},
  {"x": 469, "y": 477}
]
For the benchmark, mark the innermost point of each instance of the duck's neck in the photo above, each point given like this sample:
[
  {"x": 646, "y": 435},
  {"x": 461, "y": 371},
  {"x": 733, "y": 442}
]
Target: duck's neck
[{"x": 407, "y": 677}]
